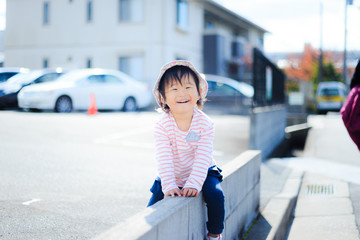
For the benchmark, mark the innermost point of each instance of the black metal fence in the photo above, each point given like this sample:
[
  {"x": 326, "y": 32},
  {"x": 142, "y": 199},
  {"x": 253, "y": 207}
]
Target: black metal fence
[{"x": 268, "y": 81}]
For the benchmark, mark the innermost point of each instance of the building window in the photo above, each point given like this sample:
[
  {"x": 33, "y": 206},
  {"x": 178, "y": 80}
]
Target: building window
[
  {"x": 130, "y": 10},
  {"x": 209, "y": 25},
  {"x": 124, "y": 64},
  {"x": 133, "y": 66},
  {"x": 46, "y": 16},
  {"x": 89, "y": 13},
  {"x": 45, "y": 63},
  {"x": 124, "y": 10},
  {"x": 89, "y": 63},
  {"x": 182, "y": 13},
  {"x": 237, "y": 49},
  {"x": 261, "y": 41}
]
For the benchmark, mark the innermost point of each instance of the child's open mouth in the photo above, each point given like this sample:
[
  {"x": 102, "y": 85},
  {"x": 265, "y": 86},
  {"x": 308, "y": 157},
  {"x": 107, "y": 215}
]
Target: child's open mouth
[{"x": 184, "y": 101}]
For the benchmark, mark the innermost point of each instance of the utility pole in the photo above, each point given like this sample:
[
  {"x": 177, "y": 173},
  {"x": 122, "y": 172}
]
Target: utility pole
[
  {"x": 347, "y": 2},
  {"x": 345, "y": 39},
  {"x": 320, "y": 73}
]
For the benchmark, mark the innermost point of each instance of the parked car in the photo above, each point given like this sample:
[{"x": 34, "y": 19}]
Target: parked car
[
  {"x": 13, "y": 85},
  {"x": 330, "y": 96},
  {"x": 6, "y": 73},
  {"x": 113, "y": 90},
  {"x": 227, "y": 95}
]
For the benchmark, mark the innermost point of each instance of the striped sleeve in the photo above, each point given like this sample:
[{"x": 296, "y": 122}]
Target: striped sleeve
[
  {"x": 203, "y": 159},
  {"x": 164, "y": 157}
]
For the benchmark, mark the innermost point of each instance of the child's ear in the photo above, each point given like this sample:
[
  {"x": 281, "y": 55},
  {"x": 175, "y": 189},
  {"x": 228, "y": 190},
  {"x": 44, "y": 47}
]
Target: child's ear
[{"x": 162, "y": 100}]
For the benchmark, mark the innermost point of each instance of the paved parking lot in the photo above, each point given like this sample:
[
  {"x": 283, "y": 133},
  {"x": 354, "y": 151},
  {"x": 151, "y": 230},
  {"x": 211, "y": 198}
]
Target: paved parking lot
[{"x": 71, "y": 176}]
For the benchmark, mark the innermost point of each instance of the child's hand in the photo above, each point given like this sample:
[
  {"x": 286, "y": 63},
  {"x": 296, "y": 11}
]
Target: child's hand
[
  {"x": 173, "y": 192},
  {"x": 190, "y": 192}
]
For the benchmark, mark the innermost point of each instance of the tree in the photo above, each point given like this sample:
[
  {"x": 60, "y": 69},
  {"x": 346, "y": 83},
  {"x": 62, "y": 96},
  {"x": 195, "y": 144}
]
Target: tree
[
  {"x": 329, "y": 74},
  {"x": 305, "y": 67},
  {"x": 301, "y": 68}
]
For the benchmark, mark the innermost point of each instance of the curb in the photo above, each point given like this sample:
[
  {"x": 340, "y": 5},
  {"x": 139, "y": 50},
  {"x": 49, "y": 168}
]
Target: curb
[{"x": 275, "y": 219}]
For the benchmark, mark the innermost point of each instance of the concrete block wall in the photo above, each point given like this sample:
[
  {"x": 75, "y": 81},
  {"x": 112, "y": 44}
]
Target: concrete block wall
[
  {"x": 185, "y": 218},
  {"x": 267, "y": 128}
]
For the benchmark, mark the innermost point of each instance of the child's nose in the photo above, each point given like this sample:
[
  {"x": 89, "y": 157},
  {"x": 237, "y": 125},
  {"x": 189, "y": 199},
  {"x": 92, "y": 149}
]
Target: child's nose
[{"x": 183, "y": 91}]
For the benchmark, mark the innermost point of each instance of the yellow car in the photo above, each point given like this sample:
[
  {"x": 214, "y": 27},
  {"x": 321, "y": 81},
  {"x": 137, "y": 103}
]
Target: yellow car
[{"x": 330, "y": 96}]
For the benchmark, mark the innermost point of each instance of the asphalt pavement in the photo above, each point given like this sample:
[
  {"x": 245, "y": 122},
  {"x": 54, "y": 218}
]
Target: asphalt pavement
[
  {"x": 327, "y": 200},
  {"x": 73, "y": 176}
]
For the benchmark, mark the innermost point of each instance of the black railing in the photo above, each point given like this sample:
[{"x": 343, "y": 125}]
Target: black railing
[{"x": 268, "y": 81}]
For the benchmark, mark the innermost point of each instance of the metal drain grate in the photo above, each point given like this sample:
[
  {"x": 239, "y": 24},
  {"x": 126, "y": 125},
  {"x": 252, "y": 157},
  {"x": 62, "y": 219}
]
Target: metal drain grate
[{"x": 315, "y": 189}]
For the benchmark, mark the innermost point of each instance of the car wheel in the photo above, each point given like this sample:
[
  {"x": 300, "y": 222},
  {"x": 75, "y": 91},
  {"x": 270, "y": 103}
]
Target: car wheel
[
  {"x": 130, "y": 105},
  {"x": 63, "y": 105}
]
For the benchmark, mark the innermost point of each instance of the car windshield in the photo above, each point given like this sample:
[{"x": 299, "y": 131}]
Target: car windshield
[
  {"x": 72, "y": 76},
  {"x": 218, "y": 88},
  {"x": 4, "y": 76},
  {"x": 48, "y": 77},
  {"x": 244, "y": 88},
  {"x": 24, "y": 78},
  {"x": 329, "y": 92}
]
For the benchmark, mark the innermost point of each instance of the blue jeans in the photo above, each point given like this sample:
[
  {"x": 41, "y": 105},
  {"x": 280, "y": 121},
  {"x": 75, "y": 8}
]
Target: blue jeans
[{"x": 213, "y": 197}]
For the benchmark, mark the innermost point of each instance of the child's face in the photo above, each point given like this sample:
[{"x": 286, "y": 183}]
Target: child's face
[{"x": 181, "y": 98}]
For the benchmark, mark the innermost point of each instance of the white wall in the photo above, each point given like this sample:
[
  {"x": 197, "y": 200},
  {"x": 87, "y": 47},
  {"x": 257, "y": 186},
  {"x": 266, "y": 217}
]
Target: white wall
[{"x": 69, "y": 40}]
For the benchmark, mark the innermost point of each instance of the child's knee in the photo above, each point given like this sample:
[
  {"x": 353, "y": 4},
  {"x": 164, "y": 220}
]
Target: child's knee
[
  {"x": 218, "y": 194},
  {"x": 214, "y": 195},
  {"x": 156, "y": 189}
]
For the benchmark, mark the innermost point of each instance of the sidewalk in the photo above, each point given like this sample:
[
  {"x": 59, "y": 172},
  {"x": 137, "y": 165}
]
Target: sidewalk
[
  {"x": 323, "y": 210},
  {"x": 320, "y": 198}
]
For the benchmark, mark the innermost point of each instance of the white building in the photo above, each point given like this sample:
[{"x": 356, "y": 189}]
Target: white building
[{"x": 135, "y": 36}]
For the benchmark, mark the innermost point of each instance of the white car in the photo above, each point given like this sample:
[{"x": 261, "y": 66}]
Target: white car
[
  {"x": 10, "y": 89},
  {"x": 6, "y": 73},
  {"x": 113, "y": 90}
]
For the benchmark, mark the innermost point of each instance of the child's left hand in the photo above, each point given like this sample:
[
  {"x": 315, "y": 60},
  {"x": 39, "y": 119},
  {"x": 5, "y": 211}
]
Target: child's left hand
[{"x": 190, "y": 192}]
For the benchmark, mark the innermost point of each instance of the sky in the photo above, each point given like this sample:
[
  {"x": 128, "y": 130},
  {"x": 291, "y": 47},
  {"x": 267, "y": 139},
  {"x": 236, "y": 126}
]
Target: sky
[{"x": 292, "y": 23}]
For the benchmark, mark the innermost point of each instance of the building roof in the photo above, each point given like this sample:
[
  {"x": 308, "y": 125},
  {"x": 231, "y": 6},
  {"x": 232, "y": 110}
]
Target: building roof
[{"x": 229, "y": 16}]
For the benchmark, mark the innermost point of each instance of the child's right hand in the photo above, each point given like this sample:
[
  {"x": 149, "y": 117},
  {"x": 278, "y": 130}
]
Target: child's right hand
[{"x": 173, "y": 192}]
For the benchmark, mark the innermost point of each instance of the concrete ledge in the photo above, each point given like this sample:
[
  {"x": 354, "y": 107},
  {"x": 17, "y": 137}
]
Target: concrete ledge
[
  {"x": 185, "y": 218},
  {"x": 279, "y": 210},
  {"x": 267, "y": 128},
  {"x": 274, "y": 220}
]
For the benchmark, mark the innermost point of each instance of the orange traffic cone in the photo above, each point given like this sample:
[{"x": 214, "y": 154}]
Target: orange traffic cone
[{"x": 92, "y": 110}]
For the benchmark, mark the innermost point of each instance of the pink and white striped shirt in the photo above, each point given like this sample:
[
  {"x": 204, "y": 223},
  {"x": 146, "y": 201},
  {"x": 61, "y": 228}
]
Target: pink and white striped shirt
[{"x": 184, "y": 157}]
